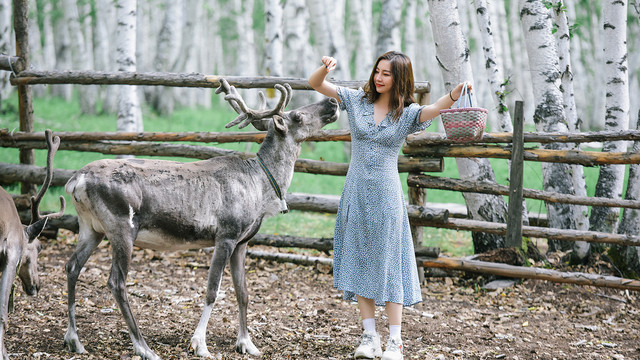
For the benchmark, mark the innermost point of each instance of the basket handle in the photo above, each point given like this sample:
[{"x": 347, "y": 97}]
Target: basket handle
[{"x": 464, "y": 95}]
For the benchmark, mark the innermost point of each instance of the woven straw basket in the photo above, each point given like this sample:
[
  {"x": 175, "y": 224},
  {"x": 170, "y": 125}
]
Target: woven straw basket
[{"x": 462, "y": 123}]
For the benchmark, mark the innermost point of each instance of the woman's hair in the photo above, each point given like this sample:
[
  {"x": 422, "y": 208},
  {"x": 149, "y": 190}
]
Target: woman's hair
[{"x": 403, "y": 86}]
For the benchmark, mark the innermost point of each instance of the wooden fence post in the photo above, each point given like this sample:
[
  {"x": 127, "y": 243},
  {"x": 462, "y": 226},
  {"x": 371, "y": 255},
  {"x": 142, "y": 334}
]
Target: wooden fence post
[
  {"x": 25, "y": 101},
  {"x": 514, "y": 216}
]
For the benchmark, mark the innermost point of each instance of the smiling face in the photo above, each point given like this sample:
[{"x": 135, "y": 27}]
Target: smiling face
[{"x": 383, "y": 77}]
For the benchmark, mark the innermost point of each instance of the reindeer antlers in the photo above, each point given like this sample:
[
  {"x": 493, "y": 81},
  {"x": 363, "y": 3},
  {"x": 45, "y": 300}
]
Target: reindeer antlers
[
  {"x": 248, "y": 115},
  {"x": 52, "y": 147}
]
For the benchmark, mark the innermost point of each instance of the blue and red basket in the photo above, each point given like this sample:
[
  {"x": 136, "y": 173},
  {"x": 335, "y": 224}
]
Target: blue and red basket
[{"x": 462, "y": 122}]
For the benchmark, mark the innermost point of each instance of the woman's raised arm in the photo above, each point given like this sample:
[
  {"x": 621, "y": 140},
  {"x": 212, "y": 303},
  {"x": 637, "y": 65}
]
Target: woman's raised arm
[{"x": 317, "y": 79}]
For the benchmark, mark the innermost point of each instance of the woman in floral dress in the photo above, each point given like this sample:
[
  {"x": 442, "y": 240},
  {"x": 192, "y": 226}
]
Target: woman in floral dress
[{"x": 373, "y": 258}]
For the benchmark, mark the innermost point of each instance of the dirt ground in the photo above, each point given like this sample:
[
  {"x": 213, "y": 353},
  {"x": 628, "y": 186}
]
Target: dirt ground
[{"x": 296, "y": 314}]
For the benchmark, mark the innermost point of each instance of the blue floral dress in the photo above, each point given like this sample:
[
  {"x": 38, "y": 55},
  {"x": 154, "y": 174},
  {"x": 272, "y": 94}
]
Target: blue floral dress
[{"x": 373, "y": 253}]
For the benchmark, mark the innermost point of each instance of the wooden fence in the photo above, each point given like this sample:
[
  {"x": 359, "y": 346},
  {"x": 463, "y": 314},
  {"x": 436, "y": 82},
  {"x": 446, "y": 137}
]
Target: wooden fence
[{"x": 422, "y": 153}]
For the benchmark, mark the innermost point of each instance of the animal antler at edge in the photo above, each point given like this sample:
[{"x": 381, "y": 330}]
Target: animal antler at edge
[
  {"x": 248, "y": 115},
  {"x": 52, "y": 146}
]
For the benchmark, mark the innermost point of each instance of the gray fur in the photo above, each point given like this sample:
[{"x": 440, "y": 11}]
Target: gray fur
[
  {"x": 19, "y": 245},
  {"x": 167, "y": 205}
]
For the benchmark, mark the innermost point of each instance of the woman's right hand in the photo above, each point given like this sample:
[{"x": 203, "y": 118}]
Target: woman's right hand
[{"x": 329, "y": 63}]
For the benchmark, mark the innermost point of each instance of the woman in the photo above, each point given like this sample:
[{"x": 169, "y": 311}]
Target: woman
[{"x": 374, "y": 260}]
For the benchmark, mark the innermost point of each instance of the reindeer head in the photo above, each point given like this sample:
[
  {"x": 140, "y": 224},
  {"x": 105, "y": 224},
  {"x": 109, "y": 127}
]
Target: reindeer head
[
  {"x": 28, "y": 271},
  {"x": 299, "y": 124}
]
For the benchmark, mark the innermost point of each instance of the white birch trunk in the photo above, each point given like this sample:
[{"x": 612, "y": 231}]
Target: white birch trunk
[
  {"x": 493, "y": 66},
  {"x": 48, "y": 46},
  {"x": 298, "y": 59},
  {"x": 79, "y": 56},
  {"x": 129, "y": 113},
  {"x": 63, "y": 57},
  {"x": 102, "y": 50},
  {"x": 519, "y": 75},
  {"x": 167, "y": 52},
  {"x": 410, "y": 31},
  {"x": 6, "y": 47},
  {"x": 186, "y": 60},
  {"x": 611, "y": 178},
  {"x": 452, "y": 54},
  {"x": 426, "y": 63},
  {"x": 627, "y": 258},
  {"x": 581, "y": 249},
  {"x": 205, "y": 60},
  {"x": 389, "y": 27},
  {"x": 360, "y": 12},
  {"x": 36, "y": 54},
  {"x": 274, "y": 47},
  {"x": 549, "y": 113}
]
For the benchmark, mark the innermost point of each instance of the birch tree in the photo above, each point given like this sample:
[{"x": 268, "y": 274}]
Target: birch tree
[
  {"x": 611, "y": 177},
  {"x": 389, "y": 27},
  {"x": 627, "y": 258},
  {"x": 453, "y": 57},
  {"x": 102, "y": 51},
  {"x": 48, "y": 44},
  {"x": 274, "y": 47},
  {"x": 563, "y": 36},
  {"x": 5, "y": 47},
  {"x": 360, "y": 12},
  {"x": 62, "y": 43},
  {"x": 299, "y": 59},
  {"x": 79, "y": 55},
  {"x": 36, "y": 55},
  {"x": 167, "y": 51},
  {"x": 549, "y": 113},
  {"x": 129, "y": 114}
]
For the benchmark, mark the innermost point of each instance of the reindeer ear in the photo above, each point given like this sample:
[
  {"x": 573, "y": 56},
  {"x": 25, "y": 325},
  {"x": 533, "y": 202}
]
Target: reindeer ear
[
  {"x": 36, "y": 228},
  {"x": 279, "y": 123}
]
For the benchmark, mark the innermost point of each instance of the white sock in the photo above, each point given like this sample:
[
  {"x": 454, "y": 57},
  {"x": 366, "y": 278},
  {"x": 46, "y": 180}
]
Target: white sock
[
  {"x": 369, "y": 324},
  {"x": 394, "y": 331}
]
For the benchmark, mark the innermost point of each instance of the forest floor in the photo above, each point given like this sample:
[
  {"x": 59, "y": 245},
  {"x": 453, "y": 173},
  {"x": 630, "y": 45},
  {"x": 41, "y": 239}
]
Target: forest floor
[{"x": 295, "y": 313}]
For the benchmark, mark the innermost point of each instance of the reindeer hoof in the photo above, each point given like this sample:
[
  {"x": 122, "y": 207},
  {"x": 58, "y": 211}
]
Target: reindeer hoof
[
  {"x": 74, "y": 345},
  {"x": 247, "y": 347},
  {"x": 199, "y": 347}
]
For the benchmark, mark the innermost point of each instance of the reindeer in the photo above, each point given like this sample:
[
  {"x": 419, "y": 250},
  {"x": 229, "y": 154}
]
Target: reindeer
[
  {"x": 20, "y": 245},
  {"x": 165, "y": 205}
]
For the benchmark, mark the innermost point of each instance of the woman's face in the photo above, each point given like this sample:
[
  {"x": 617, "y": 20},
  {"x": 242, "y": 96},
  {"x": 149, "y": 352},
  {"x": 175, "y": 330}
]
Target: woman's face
[{"x": 382, "y": 77}]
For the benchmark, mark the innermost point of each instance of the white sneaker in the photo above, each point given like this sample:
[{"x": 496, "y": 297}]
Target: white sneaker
[
  {"x": 369, "y": 347},
  {"x": 394, "y": 350}
]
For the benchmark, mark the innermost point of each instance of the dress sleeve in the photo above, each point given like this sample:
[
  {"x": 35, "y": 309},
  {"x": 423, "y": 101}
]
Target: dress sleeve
[
  {"x": 413, "y": 114},
  {"x": 348, "y": 97}
]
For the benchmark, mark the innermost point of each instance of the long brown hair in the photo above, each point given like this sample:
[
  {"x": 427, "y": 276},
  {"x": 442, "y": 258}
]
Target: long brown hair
[{"x": 403, "y": 86}]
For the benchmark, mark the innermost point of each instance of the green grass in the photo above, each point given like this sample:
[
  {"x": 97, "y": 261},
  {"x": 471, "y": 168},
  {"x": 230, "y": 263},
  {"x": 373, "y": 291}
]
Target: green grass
[{"x": 57, "y": 115}]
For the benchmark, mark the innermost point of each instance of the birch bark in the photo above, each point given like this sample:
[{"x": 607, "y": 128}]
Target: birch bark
[
  {"x": 36, "y": 55},
  {"x": 274, "y": 47},
  {"x": 80, "y": 58},
  {"x": 549, "y": 115},
  {"x": 5, "y": 47},
  {"x": 167, "y": 51},
  {"x": 581, "y": 249},
  {"x": 63, "y": 57},
  {"x": 48, "y": 46},
  {"x": 627, "y": 258},
  {"x": 102, "y": 50},
  {"x": 611, "y": 177},
  {"x": 129, "y": 113},
  {"x": 299, "y": 61},
  {"x": 360, "y": 12},
  {"x": 389, "y": 27},
  {"x": 453, "y": 58}
]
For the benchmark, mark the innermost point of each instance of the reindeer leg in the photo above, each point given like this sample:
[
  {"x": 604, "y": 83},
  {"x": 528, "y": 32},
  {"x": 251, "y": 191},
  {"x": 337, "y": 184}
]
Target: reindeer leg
[
  {"x": 122, "y": 249},
  {"x": 88, "y": 241},
  {"x": 6, "y": 282},
  {"x": 221, "y": 254},
  {"x": 243, "y": 344}
]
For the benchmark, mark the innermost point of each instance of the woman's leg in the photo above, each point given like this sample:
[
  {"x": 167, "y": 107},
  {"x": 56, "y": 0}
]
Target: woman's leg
[
  {"x": 394, "y": 313},
  {"x": 367, "y": 307}
]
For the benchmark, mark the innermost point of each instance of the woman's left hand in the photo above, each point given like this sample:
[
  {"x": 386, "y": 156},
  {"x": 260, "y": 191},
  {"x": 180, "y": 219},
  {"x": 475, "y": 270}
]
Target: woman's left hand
[{"x": 455, "y": 93}]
